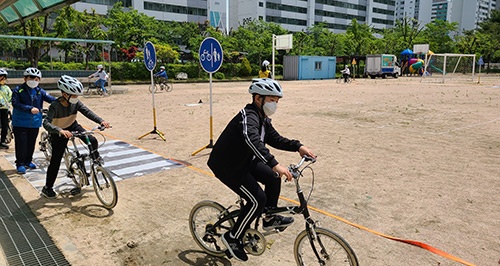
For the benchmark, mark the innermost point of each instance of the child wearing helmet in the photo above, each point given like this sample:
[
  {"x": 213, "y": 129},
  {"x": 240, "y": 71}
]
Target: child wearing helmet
[
  {"x": 27, "y": 102},
  {"x": 102, "y": 77},
  {"x": 61, "y": 121},
  {"x": 162, "y": 74},
  {"x": 5, "y": 101},
  {"x": 264, "y": 71},
  {"x": 241, "y": 160}
]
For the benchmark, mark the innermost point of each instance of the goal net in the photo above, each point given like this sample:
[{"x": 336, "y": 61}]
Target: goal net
[{"x": 449, "y": 67}]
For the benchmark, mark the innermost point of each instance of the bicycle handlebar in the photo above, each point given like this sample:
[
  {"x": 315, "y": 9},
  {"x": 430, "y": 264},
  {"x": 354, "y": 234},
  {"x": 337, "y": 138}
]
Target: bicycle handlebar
[
  {"x": 88, "y": 132},
  {"x": 294, "y": 169}
]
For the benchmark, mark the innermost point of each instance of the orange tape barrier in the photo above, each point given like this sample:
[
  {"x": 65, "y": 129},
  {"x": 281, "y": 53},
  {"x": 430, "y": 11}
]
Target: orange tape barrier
[{"x": 407, "y": 241}]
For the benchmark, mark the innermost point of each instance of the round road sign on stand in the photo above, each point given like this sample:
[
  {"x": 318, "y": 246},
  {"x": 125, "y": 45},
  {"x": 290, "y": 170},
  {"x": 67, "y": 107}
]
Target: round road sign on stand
[
  {"x": 149, "y": 56},
  {"x": 210, "y": 55},
  {"x": 210, "y": 60}
]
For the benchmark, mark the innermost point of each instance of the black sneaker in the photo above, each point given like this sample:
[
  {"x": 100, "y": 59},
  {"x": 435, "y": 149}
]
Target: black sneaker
[
  {"x": 48, "y": 192},
  {"x": 277, "y": 222},
  {"x": 234, "y": 246}
]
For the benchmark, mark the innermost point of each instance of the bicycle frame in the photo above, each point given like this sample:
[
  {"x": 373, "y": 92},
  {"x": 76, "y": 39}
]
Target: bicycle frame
[
  {"x": 79, "y": 157},
  {"x": 301, "y": 209}
]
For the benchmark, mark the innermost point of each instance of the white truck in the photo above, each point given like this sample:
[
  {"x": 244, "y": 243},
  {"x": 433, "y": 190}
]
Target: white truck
[{"x": 382, "y": 65}]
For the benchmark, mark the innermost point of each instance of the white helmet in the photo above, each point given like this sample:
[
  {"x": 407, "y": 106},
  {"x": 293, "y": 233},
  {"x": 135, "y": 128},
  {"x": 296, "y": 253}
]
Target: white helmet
[
  {"x": 31, "y": 71},
  {"x": 99, "y": 66},
  {"x": 266, "y": 87},
  {"x": 3, "y": 72},
  {"x": 265, "y": 63},
  {"x": 70, "y": 85},
  {"x": 162, "y": 67}
]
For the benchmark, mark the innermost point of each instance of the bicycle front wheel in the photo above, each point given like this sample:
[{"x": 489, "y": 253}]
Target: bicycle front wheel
[
  {"x": 207, "y": 235},
  {"x": 45, "y": 145},
  {"x": 169, "y": 86},
  {"x": 327, "y": 248},
  {"x": 104, "y": 187}
]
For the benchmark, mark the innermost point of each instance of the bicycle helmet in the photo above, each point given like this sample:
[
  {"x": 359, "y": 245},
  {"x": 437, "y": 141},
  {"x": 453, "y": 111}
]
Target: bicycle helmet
[
  {"x": 70, "y": 85},
  {"x": 265, "y": 63},
  {"x": 99, "y": 66},
  {"x": 266, "y": 87},
  {"x": 31, "y": 71},
  {"x": 3, "y": 72},
  {"x": 162, "y": 67}
]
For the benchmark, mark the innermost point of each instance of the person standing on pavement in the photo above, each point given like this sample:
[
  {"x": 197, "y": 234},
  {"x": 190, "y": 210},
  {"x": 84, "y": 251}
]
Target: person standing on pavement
[
  {"x": 27, "y": 102},
  {"x": 5, "y": 102}
]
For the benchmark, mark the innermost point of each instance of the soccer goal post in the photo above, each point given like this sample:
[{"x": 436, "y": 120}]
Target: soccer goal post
[{"x": 442, "y": 67}]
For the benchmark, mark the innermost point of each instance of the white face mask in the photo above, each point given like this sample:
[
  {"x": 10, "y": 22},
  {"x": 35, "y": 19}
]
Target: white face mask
[
  {"x": 32, "y": 83},
  {"x": 73, "y": 100},
  {"x": 270, "y": 108}
]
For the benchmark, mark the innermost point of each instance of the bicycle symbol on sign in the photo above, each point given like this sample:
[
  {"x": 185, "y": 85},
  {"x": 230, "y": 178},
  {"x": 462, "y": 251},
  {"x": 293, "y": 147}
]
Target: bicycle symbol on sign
[{"x": 215, "y": 56}]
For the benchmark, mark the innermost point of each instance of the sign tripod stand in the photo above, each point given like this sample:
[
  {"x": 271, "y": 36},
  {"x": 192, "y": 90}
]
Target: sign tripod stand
[
  {"x": 210, "y": 59},
  {"x": 150, "y": 62}
]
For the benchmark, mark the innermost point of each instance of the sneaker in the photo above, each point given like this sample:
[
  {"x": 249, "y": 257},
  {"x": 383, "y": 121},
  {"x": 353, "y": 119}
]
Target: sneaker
[
  {"x": 234, "y": 246},
  {"x": 277, "y": 222},
  {"x": 100, "y": 161},
  {"x": 48, "y": 192},
  {"x": 4, "y": 146},
  {"x": 31, "y": 165},
  {"x": 21, "y": 170}
]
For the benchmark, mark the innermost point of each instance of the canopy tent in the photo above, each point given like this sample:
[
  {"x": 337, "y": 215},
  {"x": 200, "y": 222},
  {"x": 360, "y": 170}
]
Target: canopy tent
[
  {"x": 407, "y": 52},
  {"x": 15, "y": 11}
]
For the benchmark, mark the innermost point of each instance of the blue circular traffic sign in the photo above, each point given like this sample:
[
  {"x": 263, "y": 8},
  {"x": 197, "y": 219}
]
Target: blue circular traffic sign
[
  {"x": 149, "y": 56},
  {"x": 210, "y": 55}
]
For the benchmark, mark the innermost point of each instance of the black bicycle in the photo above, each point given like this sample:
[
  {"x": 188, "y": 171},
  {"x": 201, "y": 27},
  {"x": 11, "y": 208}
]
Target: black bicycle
[
  {"x": 76, "y": 164},
  {"x": 209, "y": 220},
  {"x": 93, "y": 89},
  {"x": 161, "y": 84}
]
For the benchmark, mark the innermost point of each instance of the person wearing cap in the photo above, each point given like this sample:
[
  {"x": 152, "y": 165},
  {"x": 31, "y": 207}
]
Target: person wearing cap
[
  {"x": 60, "y": 121},
  {"x": 241, "y": 160},
  {"x": 27, "y": 102},
  {"x": 162, "y": 74},
  {"x": 101, "y": 81},
  {"x": 346, "y": 73},
  {"x": 5, "y": 102},
  {"x": 264, "y": 71}
]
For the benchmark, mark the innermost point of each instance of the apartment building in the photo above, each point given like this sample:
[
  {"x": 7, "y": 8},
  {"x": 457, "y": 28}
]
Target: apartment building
[
  {"x": 468, "y": 13},
  {"x": 420, "y": 10},
  {"x": 294, "y": 15}
]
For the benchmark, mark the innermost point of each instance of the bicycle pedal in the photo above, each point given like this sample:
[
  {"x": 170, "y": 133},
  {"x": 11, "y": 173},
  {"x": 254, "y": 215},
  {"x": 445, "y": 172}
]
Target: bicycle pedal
[{"x": 75, "y": 191}]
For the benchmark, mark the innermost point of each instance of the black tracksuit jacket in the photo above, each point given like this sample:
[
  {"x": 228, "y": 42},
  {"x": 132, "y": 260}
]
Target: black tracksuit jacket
[{"x": 241, "y": 142}]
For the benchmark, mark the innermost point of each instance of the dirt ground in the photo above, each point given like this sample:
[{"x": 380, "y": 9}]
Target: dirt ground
[{"x": 408, "y": 159}]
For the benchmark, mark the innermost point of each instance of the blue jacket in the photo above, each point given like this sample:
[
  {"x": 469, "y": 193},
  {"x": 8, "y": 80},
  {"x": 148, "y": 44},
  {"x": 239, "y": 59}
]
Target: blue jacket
[
  {"x": 24, "y": 99},
  {"x": 161, "y": 73}
]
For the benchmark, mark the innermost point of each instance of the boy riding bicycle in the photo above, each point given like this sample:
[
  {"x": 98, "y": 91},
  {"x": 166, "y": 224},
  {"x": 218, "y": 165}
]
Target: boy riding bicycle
[
  {"x": 61, "y": 121},
  {"x": 161, "y": 75},
  {"x": 240, "y": 159}
]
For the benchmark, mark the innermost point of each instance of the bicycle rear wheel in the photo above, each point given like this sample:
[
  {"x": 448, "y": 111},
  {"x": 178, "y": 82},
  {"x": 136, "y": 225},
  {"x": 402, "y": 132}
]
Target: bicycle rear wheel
[
  {"x": 45, "y": 145},
  {"x": 329, "y": 247},
  {"x": 202, "y": 218},
  {"x": 104, "y": 187},
  {"x": 154, "y": 87}
]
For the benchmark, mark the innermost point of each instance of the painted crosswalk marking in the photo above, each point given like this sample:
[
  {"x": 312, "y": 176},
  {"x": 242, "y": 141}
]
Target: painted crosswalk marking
[{"x": 122, "y": 159}]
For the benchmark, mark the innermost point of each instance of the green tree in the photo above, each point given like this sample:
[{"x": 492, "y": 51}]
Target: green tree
[
  {"x": 490, "y": 36},
  {"x": 437, "y": 35},
  {"x": 79, "y": 25},
  {"x": 359, "y": 37},
  {"x": 129, "y": 28}
]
